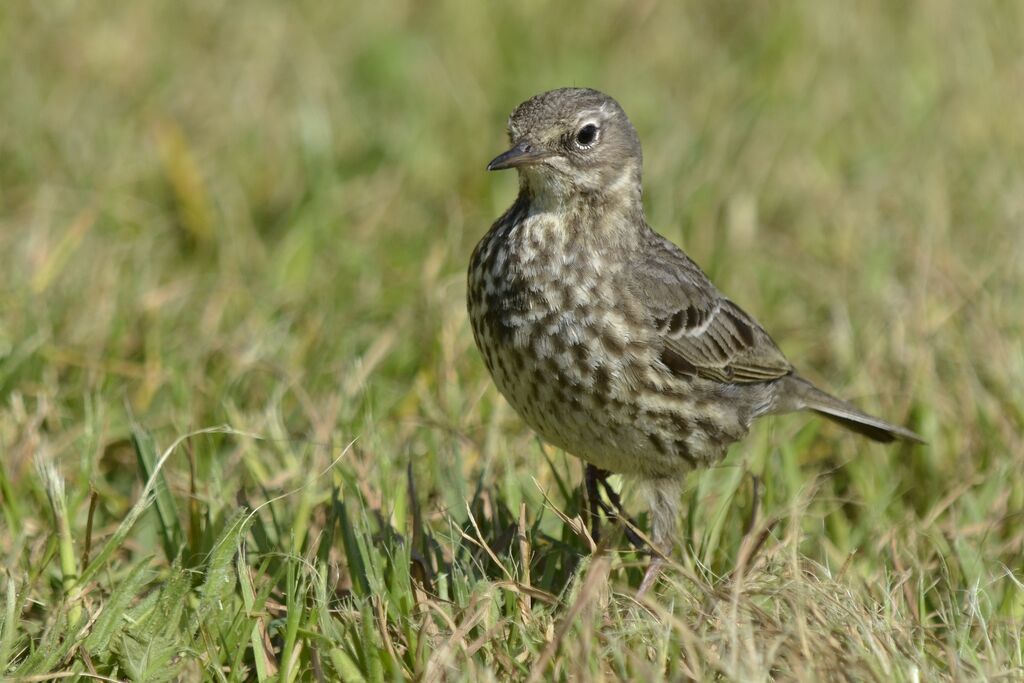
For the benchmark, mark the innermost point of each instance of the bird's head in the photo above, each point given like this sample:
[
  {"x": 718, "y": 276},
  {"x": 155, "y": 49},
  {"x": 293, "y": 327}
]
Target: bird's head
[{"x": 573, "y": 141}]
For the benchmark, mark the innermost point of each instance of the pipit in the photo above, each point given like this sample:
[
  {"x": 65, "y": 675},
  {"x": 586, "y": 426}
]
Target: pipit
[{"x": 607, "y": 339}]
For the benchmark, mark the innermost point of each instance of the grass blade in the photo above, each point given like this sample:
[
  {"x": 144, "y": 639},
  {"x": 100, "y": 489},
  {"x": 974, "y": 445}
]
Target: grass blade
[{"x": 166, "y": 509}]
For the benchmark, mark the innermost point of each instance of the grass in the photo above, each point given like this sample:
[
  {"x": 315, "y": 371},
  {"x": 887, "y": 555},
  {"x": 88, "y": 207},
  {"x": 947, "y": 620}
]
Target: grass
[{"x": 244, "y": 432}]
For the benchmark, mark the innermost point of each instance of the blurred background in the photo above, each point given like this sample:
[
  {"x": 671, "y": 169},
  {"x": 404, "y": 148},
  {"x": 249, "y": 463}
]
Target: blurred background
[{"x": 260, "y": 214}]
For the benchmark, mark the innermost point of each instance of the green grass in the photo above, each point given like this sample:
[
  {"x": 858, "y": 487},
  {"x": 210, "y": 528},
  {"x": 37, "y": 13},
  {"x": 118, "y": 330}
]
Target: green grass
[{"x": 244, "y": 432}]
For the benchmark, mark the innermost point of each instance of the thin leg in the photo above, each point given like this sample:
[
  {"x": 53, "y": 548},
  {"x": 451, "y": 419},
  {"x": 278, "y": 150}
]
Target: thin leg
[
  {"x": 592, "y": 476},
  {"x": 628, "y": 522},
  {"x": 651, "y": 575},
  {"x": 663, "y": 498},
  {"x": 596, "y": 480}
]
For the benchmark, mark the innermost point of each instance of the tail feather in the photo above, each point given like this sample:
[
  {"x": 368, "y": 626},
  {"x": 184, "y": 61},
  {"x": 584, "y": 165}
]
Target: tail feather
[{"x": 805, "y": 396}]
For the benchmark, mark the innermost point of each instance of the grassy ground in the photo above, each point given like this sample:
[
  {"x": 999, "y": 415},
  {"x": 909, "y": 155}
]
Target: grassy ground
[{"x": 244, "y": 432}]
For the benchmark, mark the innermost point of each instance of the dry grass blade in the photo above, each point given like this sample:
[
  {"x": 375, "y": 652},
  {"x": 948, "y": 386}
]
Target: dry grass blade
[
  {"x": 263, "y": 219},
  {"x": 594, "y": 584}
]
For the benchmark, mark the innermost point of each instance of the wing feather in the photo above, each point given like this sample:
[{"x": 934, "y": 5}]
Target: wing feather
[{"x": 703, "y": 333}]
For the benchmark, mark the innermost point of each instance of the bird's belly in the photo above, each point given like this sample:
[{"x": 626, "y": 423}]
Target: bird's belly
[{"x": 583, "y": 386}]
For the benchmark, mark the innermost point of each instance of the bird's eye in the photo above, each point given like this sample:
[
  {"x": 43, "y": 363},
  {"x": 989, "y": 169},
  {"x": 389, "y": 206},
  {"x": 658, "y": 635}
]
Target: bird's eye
[{"x": 587, "y": 135}]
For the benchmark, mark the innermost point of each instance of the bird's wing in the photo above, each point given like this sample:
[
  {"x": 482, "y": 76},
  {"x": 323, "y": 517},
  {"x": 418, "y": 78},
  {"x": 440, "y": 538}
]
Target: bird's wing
[{"x": 703, "y": 333}]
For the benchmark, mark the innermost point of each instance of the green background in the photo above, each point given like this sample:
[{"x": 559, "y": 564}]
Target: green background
[{"x": 258, "y": 216}]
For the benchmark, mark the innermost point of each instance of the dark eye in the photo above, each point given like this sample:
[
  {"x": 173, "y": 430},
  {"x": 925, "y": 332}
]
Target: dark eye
[{"x": 587, "y": 135}]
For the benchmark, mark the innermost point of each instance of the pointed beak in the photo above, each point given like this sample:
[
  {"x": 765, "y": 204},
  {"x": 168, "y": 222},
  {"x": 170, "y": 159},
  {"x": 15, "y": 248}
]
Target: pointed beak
[{"x": 520, "y": 155}]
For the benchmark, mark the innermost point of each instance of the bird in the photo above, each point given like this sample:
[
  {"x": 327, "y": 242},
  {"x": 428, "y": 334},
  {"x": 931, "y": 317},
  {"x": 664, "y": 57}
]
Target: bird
[{"x": 604, "y": 336}]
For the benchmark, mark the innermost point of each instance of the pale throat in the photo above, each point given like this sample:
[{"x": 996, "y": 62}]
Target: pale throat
[
  {"x": 576, "y": 223},
  {"x": 616, "y": 190}
]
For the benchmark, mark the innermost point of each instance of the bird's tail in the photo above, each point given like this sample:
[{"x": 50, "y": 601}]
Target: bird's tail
[{"x": 802, "y": 395}]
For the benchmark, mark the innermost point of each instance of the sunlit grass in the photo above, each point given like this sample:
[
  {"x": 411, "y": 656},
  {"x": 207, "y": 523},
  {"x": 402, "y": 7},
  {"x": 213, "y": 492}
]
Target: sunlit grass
[{"x": 236, "y": 236}]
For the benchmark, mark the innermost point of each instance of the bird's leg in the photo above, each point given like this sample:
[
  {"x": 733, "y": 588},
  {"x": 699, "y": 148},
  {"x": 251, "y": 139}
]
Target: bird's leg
[
  {"x": 596, "y": 481},
  {"x": 663, "y": 498},
  {"x": 651, "y": 575},
  {"x": 592, "y": 498},
  {"x": 628, "y": 523}
]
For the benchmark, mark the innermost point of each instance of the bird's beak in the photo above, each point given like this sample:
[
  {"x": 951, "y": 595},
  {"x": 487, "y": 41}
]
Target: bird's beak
[{"x": 520, "y": 155}]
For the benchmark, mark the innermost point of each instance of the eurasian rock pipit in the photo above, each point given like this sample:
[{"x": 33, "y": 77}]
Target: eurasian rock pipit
[{"x": 607, "y": 339}]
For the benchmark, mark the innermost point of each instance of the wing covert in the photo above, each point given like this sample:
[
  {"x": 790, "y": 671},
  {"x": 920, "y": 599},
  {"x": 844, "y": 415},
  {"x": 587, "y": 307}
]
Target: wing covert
[{"x": 703, "y": 333}]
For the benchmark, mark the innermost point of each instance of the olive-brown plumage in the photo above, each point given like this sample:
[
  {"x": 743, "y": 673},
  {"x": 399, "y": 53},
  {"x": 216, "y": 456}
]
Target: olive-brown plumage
[{"x": 605, "y": 337}]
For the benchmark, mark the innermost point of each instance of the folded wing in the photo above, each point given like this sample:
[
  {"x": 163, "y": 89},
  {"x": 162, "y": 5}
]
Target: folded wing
[{"x": 703, "y": 333}]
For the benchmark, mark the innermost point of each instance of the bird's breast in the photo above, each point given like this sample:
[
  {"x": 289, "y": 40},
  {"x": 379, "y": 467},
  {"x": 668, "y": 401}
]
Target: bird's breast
[
  {"x": 558, "y": 343},
  {"x": 535, "y": 290}
]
